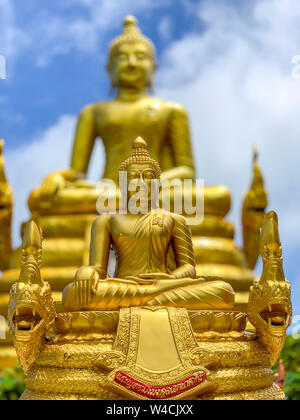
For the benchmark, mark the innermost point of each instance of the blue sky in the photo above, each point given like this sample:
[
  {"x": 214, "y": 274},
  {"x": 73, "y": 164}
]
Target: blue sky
[{"x": 229, "y": 62}]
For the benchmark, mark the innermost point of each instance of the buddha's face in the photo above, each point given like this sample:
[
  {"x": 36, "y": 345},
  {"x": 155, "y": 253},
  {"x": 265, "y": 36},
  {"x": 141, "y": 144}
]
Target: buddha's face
[
  {"x": 131, "y": 66},
  {"x": 140, "y": 180}
]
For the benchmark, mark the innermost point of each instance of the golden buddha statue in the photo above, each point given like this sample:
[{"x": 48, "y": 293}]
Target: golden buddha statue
[
  {"x": 141, "y": 243},
  {"x": 132, "y": 113}
]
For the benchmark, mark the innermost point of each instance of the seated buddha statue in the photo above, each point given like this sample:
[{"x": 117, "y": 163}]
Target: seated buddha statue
[
  {"x": 154, "y": 251},
  {"x": 164, "y": 125}
]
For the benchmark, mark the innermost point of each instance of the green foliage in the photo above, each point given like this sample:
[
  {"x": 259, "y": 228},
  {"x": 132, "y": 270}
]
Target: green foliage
[
  {"x": 291, "y": 359},
  {"x": 12, "y": 384}
]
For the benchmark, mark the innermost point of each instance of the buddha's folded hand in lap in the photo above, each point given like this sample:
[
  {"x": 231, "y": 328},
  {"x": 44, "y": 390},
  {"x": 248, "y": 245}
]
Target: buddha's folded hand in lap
[{"x": 154, "y": 253}]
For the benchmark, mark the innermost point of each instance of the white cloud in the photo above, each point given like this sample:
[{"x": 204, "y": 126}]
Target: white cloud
[{"x": 13, "y": 39}]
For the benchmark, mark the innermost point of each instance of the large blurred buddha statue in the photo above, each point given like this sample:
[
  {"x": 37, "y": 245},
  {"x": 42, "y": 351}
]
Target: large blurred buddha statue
[
  {"x": 142, "y": 241},
  {"x": 164, "y": 125}
]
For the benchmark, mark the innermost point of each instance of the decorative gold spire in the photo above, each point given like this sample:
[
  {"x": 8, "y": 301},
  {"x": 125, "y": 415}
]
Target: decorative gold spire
[
  {"x": 131, "y": 33},
  {"x": 140, "y": 156},
  {"x": 257, "y": 188},
  {"x": 6, "y": 210},
  {"x": 255, "y": 203}
]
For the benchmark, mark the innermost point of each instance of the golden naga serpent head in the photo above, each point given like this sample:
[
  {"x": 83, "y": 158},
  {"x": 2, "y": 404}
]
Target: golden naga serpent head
[
  {"x": 270, "y": 308},
  {"x": 2, "y": 174},
  {"x": 31, "y": 309}
]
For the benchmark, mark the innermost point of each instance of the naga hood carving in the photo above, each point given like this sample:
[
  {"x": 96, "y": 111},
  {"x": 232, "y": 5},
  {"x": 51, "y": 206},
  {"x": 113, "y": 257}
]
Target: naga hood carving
[{"x": 270, "y": 308}]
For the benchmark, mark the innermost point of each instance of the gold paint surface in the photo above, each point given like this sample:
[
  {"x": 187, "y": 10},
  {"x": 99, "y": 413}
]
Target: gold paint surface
[
  {"x": 155, "y": 258},
  {"x": 157, "y": 350}
]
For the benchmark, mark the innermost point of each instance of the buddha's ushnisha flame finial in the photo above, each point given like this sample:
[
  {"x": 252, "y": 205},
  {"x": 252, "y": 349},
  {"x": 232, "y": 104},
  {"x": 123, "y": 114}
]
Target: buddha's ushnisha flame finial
[
  {"x": 131, "y": 34},
  {"x": 140, "y": 156}
]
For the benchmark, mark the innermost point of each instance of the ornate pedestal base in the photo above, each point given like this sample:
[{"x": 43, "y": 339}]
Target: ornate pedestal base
[{"x": 111, "y": 355}]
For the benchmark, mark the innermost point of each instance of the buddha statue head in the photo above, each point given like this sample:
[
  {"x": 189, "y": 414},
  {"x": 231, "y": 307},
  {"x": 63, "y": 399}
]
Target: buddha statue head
[
  {"x": 131, "y": 62},
  {"x": 143, "y": 174}
]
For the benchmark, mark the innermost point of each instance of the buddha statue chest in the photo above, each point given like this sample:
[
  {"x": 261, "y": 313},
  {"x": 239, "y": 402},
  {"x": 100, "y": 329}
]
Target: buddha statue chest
[{"x": 141, "y": 243}]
